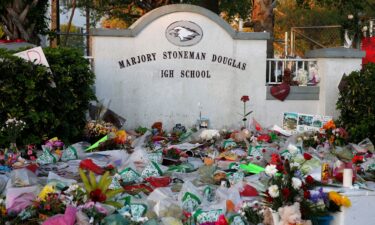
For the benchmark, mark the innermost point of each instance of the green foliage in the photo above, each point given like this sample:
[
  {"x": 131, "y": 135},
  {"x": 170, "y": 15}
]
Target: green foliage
[
  {"x": 131, "y": 10},
  {"x": 27, "y": 93},
  {"x": 74, "y": 41},
  {"x": 356, "y": 104}
]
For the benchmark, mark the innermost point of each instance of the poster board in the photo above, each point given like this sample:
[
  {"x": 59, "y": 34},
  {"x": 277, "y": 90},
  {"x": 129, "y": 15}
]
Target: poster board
[{"x": 300, "y": 122}]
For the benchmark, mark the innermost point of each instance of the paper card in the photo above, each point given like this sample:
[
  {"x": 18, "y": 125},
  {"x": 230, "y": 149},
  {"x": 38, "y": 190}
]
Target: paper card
[
  {"x": 290, "y": 120},
  {"x": 35, "y": 55}
]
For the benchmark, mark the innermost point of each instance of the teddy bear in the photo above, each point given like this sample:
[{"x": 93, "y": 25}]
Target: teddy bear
[{"x": 291, "y": 215}]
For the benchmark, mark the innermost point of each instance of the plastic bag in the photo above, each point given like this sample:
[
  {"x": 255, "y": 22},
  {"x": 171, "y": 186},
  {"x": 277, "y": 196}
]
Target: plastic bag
[
  {"x": 3, "y": 182},
  {"x": 163, "y": 203},
  {"x": 23, "y": 177},
  {"x": 137, "y": 160},
  {"x": 170, "y": 221},
  {"x": 75, "y": 151},
  {"x": 59, "y": 181},
  {"x": 189, "y": 197}
]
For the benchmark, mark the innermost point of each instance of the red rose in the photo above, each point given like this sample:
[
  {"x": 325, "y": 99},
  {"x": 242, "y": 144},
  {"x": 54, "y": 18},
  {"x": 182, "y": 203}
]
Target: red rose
[
  {"x": 306, "y": 194},
  {"x": 245, "y": 98},
  {"x": 309, "y": 179},
  {"x": 357, "y": 159},
  {"x": 280, "y": 167},
  {"x": 307, "y": 156},
  {"x": 97, "y": 195},
  {"x": 110, "y": 167},
  {"x": 285, "y": 192}
]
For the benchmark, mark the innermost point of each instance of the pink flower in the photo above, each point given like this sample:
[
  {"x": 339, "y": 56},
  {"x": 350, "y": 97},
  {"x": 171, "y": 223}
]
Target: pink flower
[{"x": 101, "y": 209}]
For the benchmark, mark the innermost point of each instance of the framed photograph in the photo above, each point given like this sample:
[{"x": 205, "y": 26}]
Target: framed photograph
[{"x": 290, "y": 121}]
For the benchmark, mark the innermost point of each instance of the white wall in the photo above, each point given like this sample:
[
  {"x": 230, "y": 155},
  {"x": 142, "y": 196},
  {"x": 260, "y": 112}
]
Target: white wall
[
  {"x": 332, "y": 70},
  {"x": 139, "y": 94}
]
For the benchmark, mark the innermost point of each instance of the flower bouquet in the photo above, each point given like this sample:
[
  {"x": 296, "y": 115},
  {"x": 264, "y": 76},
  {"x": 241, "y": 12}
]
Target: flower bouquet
[{"x": 96, "y": 129}]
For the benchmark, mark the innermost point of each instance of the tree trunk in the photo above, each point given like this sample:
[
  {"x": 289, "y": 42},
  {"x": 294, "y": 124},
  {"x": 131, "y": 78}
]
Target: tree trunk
[
  {"x": 54, "y": 23},
  {"x": 263, "y": 20}
]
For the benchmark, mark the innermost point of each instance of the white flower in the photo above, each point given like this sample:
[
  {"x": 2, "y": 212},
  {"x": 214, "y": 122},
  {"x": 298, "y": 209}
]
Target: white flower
[
  {"x": 208, "y": 135},
  {"x": 270, "y": 170},
  {"x": 292, "y": 149},
  {"x": 296, "y": 183},
  {"x": 350, "y": 16},
  {"x": 294, "y": 164},
  {"x": 364, "y": 29},
  {"x": 273, "y": 190}
]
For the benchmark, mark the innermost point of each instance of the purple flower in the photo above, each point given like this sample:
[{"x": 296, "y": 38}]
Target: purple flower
[{"x": 319, "y": 195}]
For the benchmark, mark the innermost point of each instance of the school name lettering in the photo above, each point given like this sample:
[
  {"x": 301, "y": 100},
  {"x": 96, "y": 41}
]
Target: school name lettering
[
  {"x": 182, "y": 55},
  {"x": 185, "y": 74}
]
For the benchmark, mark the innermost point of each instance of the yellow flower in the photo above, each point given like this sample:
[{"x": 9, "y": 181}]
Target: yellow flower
[
  {"x": 45, "y": 191},
  {"x": 346, "y": 201},
  {"x": 339, "y": 199}
]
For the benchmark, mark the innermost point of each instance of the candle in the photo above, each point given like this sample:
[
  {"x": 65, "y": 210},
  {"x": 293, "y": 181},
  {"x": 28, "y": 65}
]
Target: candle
[{"x": 347, "y": 178}]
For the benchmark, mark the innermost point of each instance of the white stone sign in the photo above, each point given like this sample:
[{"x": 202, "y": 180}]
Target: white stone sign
[{"x": 176, "y": 63}]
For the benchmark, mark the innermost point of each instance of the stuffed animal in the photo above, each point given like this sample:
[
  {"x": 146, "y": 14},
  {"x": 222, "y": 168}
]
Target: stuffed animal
[{"x": 291, "y": 215}]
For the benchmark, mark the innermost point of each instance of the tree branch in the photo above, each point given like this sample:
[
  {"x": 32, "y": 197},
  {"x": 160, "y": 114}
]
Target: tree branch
[
  {"x": 26, "y": 10},
  {"x": 18, "y": 24}
]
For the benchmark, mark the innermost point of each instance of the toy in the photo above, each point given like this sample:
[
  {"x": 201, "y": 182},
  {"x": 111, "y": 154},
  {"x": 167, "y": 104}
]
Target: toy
[{"x": 291, "y": 215}]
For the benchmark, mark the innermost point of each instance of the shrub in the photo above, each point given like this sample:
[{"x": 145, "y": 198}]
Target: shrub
[
  {"x": 27, "y": 93},
  {"x": 356, "y": 104}
]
